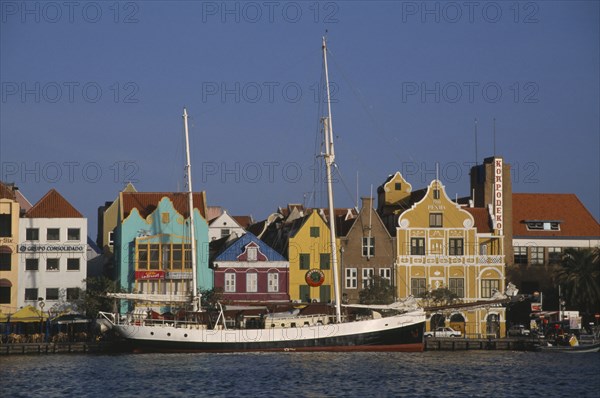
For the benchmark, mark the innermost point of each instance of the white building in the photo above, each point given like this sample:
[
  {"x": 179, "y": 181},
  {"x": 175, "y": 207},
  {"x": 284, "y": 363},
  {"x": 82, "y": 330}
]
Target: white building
[
  {"x": 223, "y": 226},
  {"x": 52, "y": 254}
]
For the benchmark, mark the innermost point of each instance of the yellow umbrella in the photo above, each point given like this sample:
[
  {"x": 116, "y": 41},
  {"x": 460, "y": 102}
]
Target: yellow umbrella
[
  {"x": 3, "y": 317},
  {"x": 28, "y": 314}
]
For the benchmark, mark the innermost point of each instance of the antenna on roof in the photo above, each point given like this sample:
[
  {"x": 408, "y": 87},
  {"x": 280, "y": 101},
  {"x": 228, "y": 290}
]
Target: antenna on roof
[
  {"x": 494, "y": 132},
  {"x": 476, "y": 158}
]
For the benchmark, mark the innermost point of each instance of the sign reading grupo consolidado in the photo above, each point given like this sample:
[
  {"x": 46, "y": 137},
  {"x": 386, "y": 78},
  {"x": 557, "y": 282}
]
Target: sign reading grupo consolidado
[{"x": 40, "y": 248}]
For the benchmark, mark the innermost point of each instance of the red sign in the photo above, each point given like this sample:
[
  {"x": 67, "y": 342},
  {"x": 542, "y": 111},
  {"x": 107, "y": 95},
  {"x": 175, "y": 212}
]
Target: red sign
[
  {"x": 149, "y": 275},
  {"x": 536, "y": 307}
]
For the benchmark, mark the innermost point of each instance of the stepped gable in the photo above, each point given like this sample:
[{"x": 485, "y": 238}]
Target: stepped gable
[
  {"x": 574, "y": 219},
  {"x": 481, "y": 215},
  {"x": 53, "y": 205},
  {"x": 146, "y": 202}
]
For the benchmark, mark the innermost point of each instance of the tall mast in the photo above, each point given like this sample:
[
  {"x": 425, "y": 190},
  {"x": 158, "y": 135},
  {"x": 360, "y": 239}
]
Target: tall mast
[
  {"x": 188, "y": 172},
  {"x": 329, "y": 159}
]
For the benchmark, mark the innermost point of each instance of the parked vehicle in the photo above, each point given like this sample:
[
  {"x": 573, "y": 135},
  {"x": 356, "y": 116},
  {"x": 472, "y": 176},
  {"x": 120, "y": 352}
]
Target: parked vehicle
[
  {"x": 443, "y": 332},
  {"x": 518, "y": 330}
]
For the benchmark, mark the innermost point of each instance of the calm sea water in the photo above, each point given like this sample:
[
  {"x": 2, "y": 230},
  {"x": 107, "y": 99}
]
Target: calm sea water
[{"x": 429, "y": 374}]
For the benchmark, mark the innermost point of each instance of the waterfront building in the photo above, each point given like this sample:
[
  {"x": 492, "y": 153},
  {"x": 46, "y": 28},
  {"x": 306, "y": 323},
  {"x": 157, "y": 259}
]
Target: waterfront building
[
  {"x": 52, "y": 254},
  {"x": 152, "y": 243},
  {"x": 223, "y": 226},
  {"x": 246, "y": 269},
  {"x": 108, "y": 217},
  {"x": 367, "y": 249},
  {"x": 544, "y": 225},
  {"x": 10, "y": 210},
  {"x": 443, "y": 245}
]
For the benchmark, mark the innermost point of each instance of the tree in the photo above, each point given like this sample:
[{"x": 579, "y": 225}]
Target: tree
[
  {"x": 440, "y": 296},
  {"x": 94, "y": 297},
  {"x": 379, "y": 291},
  {"x": 578, "y": 275}
]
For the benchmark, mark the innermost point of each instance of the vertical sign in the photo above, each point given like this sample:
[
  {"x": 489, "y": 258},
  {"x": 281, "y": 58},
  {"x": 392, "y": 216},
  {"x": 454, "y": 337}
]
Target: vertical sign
[{"x": 498, "y": 199}]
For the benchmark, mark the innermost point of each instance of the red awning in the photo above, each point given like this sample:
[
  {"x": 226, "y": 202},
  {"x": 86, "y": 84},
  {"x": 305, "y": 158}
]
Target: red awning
[
  {"x": 5, "y": 283},
  {"x": 5, "y": 249}
]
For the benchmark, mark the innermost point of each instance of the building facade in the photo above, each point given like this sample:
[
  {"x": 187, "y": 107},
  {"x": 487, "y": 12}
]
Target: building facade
[
  {"x": 367, "y": 249},
  {"x": 247, "y": 269},
  {"x": 223, "y": 226},
  {"x": 443, "y": 245},
  {"x": 152, "y": 246},
  {"x": 9, "y": 240},
  {"x": 52, "y": 254}
]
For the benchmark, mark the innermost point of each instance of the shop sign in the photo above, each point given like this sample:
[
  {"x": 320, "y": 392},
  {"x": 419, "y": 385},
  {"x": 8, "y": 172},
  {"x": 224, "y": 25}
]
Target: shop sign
[
  {"x": 149, "y": 275},
  {"x": 179, "y": 275},
  {"x": 498, "y": 196},
  {"x": 51, "y": 248}
]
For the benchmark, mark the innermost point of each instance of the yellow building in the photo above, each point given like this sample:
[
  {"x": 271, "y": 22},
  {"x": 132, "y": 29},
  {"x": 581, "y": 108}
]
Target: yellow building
[
  {"x": 311, "y": 276},
  {"x": 442, "y": 244},
  {"x": 9, "y": 239}
]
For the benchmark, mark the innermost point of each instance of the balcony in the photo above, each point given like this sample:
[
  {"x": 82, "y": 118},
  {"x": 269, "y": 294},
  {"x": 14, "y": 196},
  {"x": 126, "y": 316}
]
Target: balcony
[{"x": 451, "y": 260}]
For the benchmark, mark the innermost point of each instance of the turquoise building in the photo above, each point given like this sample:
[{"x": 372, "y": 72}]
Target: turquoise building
[{"x": 152, "y": 244}]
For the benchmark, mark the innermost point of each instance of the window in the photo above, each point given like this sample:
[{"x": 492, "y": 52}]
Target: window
[
  {"x": 304, "y": 260},
  {"x": 31, "y": 294},
  {"x": 252, "y": 253},
  {"x": 187, "y": 256},
  {"x": 53, "y": 234},
  {"x": 457, "y": 286},
  {"x": 385, "y": 273},
  {"x": 32, "y": 264},
  {"x": 483, "y": 249},
  {"x": 368, "y": 246},
  {"x": 73, "y": 293},
  {"x": 417, "y": 246},
  {"x": 488, "y": 286},
  {"x": 314, "y": 232},
  {"x": 367, "y": 274},
  {"x": 230, "y": 282},
  {"x": 32, "y": 234},
  {"x": 520, "y": 255},
  {"x": 418, "y": 286},
  {"x": 111, "y": 238},
  {"x": 73, "y": 234},
  {"x": 72, "y": 264},
  {"x": 4, "y": 294},
  {"x": 325, "y": 293},
  {"x": 154, "y": 256},
  {"x": 456, "y": 247},
  {"x": 165, "y": 254},
  {"x": 351, "y": 278},
  {"x": 543, "y": 225},
  {"x": 398, "y": 186},
  {"x": 273, "y": 282},
  {"x": 177, "y": 251},
  {"x": 5, "y": 261},
  {"x": 164, "y": 217},
  {"x": 305, "y": 293},
  {"x": 436, "y": 194},
  {"x": 251, "y": 282},
  {"x": 435, "y": 220},
  {"x": 554, "y": 255},
  {"x": 225, "y": 232},
  {"x": 537, "y": 255},
  {"x": 324, "y": 261},
  {"x": 52, "y": 293},
  {"x": 5, "y": 225},
  {"x": 52, "y": 264}
]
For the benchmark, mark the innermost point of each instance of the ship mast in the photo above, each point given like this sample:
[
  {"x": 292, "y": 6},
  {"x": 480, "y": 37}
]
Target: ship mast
[
  {"x": 329, "y": 159},
  {"x": 188, "y": 172}
]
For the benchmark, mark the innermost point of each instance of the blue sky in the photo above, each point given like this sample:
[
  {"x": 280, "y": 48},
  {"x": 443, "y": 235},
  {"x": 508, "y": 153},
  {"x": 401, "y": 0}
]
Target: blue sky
[{"x": 92, "y": 96}]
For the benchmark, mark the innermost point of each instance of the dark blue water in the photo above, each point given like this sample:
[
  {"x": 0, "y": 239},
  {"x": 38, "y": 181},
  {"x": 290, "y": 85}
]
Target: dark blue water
[{"x": 429, "y": 374}]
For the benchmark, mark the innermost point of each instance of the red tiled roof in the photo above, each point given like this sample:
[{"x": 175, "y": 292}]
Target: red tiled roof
[
  {"x": 244, "y": 221},
  {"x": 6, "y": 192},
  {"x": 53, "y": 205},
  {"x": 575, "y": 219},
  {"x": 481, "y": 215},
  {"x": 146, "y": 202}
]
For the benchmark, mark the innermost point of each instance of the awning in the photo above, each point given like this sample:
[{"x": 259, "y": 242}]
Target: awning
[
  {"x": 5, "y": 283},
  {"x": 5, "y": 250},
  {"x": 28, "y": 314}
]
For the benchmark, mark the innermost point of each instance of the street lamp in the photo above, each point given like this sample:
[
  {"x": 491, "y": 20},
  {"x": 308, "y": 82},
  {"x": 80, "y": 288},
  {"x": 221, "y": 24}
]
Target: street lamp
[{"x": 42, "y": 305}]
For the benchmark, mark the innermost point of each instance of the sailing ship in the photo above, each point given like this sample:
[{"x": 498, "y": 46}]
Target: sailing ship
[{"x": 401, "y": 330}]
